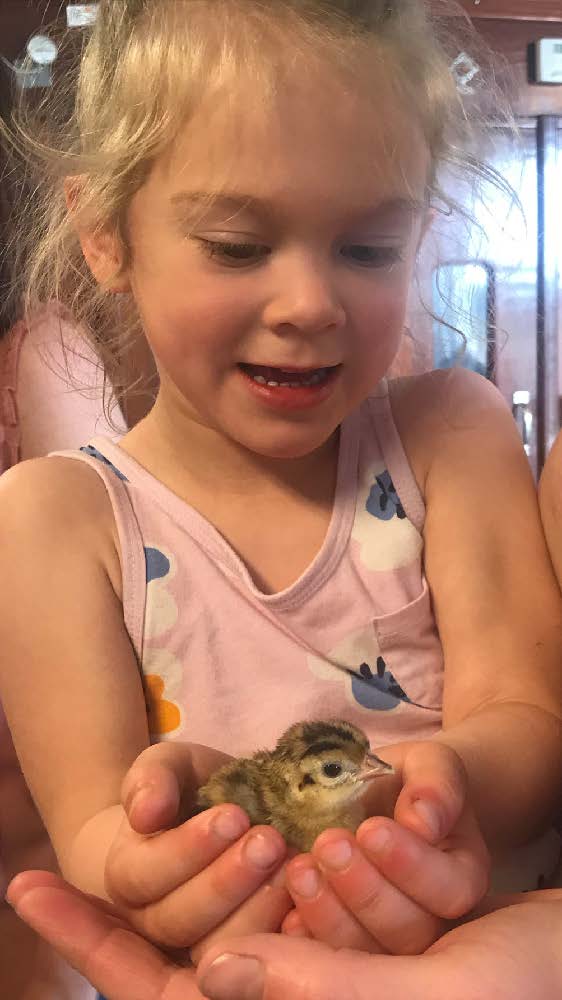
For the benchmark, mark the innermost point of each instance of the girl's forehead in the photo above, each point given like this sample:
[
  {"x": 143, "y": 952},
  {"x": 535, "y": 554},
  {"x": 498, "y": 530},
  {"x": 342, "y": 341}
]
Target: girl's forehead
[{"x": 306, "y": 140}]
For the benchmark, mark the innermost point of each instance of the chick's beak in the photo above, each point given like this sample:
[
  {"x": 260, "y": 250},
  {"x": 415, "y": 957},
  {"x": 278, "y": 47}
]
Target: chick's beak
[{"x": 373, "y": 767}]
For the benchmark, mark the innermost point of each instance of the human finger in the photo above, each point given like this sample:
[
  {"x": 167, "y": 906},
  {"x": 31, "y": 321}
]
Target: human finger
[
  {"x": 294, "y": 926},
  {"x": 197, "y": 907},
  {"x": 275, "y": 967},
  {"x": 322, "y": 912},
  {"x": 113, "y": 958},
  {"x": 141, "y": 870},
  {"x": 512, "y": 954},
  {"x": 391, "y": 918},
  {"x": 262, "y": 913},
  {"x": 434, "y": 790},
  {"x": 29, "y": 879},
  {"x": 160, "y": 786},
  {"x": 446, "y": 882}
]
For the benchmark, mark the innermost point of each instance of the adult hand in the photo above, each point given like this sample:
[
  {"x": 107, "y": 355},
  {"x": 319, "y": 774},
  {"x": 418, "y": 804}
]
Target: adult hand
[{"x": 510, "y": 954}]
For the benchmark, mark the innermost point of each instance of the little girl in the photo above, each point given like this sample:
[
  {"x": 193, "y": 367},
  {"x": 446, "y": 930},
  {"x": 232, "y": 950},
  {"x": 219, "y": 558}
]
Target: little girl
[{"x": 286, "y": 535}]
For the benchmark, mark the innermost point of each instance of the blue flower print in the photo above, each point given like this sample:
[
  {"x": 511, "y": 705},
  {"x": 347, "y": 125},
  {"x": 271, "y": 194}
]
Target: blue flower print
[
  {"x": 383, "y": 500},
  {"x": 380, "y": 691},
  {"x": 157, "y": 564},
  {"x": 94, "y": 453}
]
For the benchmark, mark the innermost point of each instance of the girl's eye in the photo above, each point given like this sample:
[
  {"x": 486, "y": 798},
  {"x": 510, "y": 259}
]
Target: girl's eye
[
  {"x": 369, "y": 256},
  {"x": 234, "y": 254},
  {"x": 332, "y": 769}
]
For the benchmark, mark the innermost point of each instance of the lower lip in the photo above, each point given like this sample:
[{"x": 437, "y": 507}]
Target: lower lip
[{"x": 302, "y": 397}]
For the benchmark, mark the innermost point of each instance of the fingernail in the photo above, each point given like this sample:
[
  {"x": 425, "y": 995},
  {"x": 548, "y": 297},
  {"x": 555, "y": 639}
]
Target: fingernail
[
  {"x": 279, "y": 878},
  {"x": 17, "y": 904},
  {"x": 229, "y": 825},
  {"x": 233, "y": 977},
  {"x": 261, "y": 851},
  {"x": 337, "y": 854},
  {"x": 295, "y": 931},
  {"x": 135, "y": 797},
  {"x": 304, "y": 880},
  {"x": 15, "y": 894},
  {"x": 429, "y": 816},
  {"x": 376, "y": 840}
]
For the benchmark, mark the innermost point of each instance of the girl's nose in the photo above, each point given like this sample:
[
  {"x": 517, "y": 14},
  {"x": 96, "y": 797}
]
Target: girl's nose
[{"x": 306, "y": 299}]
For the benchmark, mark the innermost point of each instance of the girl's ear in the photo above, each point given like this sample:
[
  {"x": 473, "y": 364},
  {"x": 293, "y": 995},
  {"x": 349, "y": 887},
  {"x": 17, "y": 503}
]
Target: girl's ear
[
  {"x": 102, "y": 249},
  {"x": 103, "y": 252}
]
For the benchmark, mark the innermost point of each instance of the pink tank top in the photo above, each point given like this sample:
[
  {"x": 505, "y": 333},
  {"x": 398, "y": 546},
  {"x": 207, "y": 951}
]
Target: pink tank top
[{"x": 354, "y": 637}]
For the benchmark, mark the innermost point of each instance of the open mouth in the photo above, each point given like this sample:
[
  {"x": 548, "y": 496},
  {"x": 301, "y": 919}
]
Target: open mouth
[{"x": 274, "y": 377}]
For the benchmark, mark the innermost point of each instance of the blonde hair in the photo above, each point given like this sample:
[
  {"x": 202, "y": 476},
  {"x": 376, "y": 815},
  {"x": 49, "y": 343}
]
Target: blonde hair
[{"x": 140, "y": 75}]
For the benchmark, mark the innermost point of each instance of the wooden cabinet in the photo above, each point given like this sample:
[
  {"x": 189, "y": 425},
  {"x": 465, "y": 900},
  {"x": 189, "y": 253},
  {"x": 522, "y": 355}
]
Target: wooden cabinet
[
  {"x": 511, "y": 280},
  {"x": 524, "y": 10}
]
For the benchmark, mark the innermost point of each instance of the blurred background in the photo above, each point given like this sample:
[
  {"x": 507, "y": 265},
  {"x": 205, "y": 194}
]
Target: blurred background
[{"x": 488, "y": 297}]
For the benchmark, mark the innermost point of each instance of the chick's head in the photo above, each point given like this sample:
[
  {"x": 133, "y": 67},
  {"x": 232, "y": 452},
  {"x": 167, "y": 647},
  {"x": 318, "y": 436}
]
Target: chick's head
[{"x": 328, "y": 763}]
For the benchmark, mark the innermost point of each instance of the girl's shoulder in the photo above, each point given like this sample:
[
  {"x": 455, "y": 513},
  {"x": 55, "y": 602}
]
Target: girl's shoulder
[
  {"x": 439, "y": 412},
  {"x": 52, "y": 484},
  {"x": 550, "y": 502},
  {"x": 550, "y": 485},
  {"x": 50, "y": 504}
]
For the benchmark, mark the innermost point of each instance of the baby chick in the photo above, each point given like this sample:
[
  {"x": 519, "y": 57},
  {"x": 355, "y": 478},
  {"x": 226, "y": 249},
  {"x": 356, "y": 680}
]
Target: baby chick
[{"x": 312, "y": 780}]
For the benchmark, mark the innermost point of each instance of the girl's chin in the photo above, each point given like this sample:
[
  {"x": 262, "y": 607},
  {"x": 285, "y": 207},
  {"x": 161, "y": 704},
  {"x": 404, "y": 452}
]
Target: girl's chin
[{"x": 294, "y": 447}]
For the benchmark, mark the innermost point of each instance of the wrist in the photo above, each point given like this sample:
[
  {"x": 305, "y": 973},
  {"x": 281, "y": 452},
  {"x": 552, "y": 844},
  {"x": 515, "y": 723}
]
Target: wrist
[{"x": 83, "y": 864}]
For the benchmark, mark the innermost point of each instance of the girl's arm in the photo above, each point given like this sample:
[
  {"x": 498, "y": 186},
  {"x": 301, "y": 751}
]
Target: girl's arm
[
  {"x": 496, "y": 600},
  {"x": 69, "y": 681},
  {"x": 550, "y": 500},
  {"x": 71, "y": 688}
]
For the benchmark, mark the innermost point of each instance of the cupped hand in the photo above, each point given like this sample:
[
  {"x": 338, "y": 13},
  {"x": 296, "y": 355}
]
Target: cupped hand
[
  {"x": 202, "y": 880},
  {"x": 393, "y": 886},
  {"x": 511, "y": 954},
  {"x": 160, "y": 788}
]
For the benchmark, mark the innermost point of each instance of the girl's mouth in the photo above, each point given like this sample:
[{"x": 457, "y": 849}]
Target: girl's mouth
[
  {"x": 273, "y": 377},
  {"x": 290, "y": 388}
]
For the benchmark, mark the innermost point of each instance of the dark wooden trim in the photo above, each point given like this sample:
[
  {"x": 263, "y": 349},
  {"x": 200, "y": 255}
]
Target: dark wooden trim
[
  {"x": 548, "y": 127},
  {"x": 511, "y": 40},
  {"x": 514, "y": 10}
]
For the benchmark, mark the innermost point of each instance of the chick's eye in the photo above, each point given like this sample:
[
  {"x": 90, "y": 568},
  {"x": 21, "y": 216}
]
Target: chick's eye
[{"x": 332, "y": 769}]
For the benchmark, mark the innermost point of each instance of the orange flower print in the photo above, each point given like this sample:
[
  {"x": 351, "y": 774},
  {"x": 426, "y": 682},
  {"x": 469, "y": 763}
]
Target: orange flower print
[{"x": 163, "y": 716}]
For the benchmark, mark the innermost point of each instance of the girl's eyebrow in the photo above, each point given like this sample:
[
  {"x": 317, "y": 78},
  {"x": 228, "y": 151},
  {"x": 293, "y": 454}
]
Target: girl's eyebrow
[
  {"x": 192, "y": 202},
  {"x": 233, "y": 203}
]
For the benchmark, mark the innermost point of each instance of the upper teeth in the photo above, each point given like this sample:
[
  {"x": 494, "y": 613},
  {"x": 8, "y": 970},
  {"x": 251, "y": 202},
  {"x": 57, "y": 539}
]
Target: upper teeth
[{"x": 312, "y": 379}]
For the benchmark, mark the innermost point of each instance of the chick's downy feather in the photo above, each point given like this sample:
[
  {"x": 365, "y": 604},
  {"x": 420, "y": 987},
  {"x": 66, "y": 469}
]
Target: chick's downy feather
[{"x": 312, "y": 780}]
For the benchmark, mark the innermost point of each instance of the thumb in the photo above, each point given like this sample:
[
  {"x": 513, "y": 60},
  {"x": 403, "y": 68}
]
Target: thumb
[
  {"x": 433, "y": 796},
  {"x": 159, "y": 788},
  {"x": 273, "y": 967}
]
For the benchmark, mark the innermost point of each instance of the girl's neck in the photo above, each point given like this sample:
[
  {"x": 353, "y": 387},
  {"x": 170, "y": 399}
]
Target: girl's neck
[
  {"x": 240, "y": 492},
  {"x": 179, "y": 450}
]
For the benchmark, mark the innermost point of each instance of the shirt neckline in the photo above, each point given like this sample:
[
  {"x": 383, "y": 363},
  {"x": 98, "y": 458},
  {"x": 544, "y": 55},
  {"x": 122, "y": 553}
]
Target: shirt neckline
[{"x": 209, "y": 537}]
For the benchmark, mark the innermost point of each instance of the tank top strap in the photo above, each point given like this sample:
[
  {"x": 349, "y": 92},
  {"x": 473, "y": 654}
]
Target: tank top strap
[
  {"x": 133, "y": 560},
  {"x": 395, "y": 458}
]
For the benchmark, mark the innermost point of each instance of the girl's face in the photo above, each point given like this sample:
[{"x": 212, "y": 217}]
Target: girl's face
[{"x": 297, "y": 273}]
